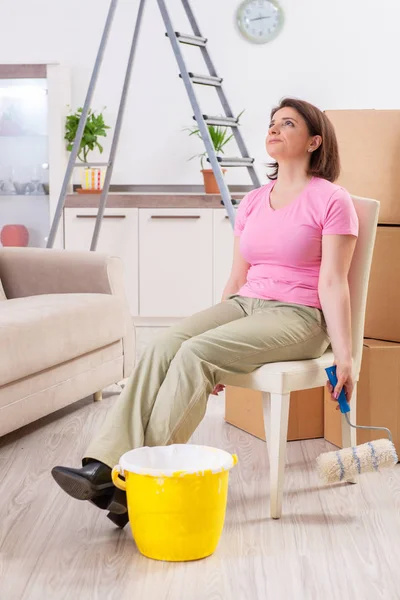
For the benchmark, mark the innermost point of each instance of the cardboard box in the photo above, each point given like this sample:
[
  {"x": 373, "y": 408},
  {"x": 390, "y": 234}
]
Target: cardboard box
[
  {"x": 383, "y": 304},
  {"x": 369, "y": 145},
  {"x": 243, "y": 408},
  {"x": 332, "y": 421},
  {"x": 378, "y": 396}
]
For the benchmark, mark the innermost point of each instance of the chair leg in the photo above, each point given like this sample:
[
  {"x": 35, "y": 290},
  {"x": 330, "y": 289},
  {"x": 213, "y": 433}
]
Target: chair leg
[
  {"x": 97, "y": 396},
  {"x": 349, "y": 434},
  {"x": 266, "y": 398},
  {"x": 276, "y": 418}
]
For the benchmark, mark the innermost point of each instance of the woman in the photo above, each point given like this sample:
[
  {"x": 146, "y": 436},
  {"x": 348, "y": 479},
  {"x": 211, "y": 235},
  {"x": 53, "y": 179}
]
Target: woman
[{"x": 294, "y": 241}]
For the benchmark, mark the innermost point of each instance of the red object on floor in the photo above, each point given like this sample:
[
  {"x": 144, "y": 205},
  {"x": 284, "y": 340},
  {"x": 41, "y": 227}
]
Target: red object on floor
[{"x": 14, "y": 235}]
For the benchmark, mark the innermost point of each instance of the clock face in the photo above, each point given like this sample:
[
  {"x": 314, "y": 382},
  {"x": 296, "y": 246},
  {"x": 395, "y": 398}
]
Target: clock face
[{"x": 259, "y": 20}]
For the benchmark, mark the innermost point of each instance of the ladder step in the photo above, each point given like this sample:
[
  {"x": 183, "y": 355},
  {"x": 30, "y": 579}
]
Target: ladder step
[
  {"x": 235, "y": 162},
  {"x": 222, "y": 121},
  {"x": 205, "y": 79},
  {"x": 191, "y": 40},
  {"x": 92, "y": 164}
]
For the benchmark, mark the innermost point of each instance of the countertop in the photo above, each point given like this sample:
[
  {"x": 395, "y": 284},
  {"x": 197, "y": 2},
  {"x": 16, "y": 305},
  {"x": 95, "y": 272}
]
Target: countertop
[{"x": 148, "y": 200}]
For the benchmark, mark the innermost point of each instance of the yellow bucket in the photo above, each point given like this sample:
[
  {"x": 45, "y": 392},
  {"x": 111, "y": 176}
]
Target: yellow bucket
[{"x": 176, "y": 498}]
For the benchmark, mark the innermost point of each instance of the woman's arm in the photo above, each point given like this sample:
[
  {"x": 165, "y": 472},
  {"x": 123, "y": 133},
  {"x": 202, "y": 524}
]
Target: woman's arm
[
  {"x": 333, "y": 289},
  {"x": 238, "y": 274},
  {"x": 236, "y": 279}
]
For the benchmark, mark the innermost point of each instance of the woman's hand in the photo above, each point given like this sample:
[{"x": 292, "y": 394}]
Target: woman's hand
[
  {"x": 345, "y": 379},
  {"x": 218, "y": 388}
]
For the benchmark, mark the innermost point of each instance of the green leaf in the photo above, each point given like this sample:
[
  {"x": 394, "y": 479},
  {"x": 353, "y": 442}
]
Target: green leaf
[{"x": 94, "y": 127}]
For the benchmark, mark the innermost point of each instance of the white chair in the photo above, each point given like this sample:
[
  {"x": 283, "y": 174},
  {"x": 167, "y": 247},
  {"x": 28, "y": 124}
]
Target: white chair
[{"x": 278, "y": 380}]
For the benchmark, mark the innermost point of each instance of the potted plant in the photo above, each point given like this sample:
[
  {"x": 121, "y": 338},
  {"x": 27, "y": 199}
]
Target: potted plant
[
  {"x": 95, "y": 127},
  {"x": 220, "y": 136}
]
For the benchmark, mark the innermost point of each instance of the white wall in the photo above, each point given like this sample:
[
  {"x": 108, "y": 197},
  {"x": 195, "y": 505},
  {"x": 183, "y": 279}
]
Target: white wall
[{"x": 335, "y": 53}]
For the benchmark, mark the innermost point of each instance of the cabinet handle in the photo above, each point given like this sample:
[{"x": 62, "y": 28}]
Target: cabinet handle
[
  {"x": 175, "y": 217},
  {"x": 104, "y": 216}
]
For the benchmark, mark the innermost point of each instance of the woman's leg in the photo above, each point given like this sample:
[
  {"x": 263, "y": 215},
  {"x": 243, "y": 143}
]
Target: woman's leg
[
  {"x": 125, "y": 425},
  {"x": 167, "y": 394},
  {"x": 273, "y": 332}
]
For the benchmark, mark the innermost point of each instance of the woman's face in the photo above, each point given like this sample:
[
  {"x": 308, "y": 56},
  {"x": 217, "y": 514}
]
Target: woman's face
[{"x": 288, "y": 137}]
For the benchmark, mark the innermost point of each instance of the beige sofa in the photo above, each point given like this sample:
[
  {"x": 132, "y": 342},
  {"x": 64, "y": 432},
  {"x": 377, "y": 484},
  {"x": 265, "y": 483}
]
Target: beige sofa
[{"x": 65, "y": 330}]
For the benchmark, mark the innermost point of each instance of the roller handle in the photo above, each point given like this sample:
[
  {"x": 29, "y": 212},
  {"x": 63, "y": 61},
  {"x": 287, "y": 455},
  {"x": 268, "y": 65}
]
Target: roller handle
[{"x": 343, "y": 404}]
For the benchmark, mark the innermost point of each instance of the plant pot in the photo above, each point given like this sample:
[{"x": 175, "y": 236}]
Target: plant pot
[
  {"x": 92, "y": 180},
  {"x": 14, "y": 235},
  {"x": 210, "y": 183}
]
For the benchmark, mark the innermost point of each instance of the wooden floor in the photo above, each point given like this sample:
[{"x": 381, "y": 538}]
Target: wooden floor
[{"x": 341, "y": 542}]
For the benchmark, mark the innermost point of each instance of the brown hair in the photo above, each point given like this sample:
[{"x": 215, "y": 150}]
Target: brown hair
[{"x": 325, "y": 161}]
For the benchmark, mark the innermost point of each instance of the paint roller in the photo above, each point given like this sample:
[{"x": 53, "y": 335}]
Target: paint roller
[{"x": 346, "y": 464}]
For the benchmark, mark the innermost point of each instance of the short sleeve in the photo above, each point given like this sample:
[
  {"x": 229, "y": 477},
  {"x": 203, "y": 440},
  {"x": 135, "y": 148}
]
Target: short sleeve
[
  {"x": 340, "y": 216},
  {"x": 241, "y": 214}
]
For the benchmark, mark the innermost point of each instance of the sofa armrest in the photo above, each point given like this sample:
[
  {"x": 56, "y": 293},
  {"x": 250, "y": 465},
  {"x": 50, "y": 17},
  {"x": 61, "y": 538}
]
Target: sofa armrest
[{"x": 33, "y": 271}]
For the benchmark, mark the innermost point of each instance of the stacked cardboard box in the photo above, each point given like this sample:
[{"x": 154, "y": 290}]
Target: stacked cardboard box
[
  {"x": 244, "y": 409},
  {"x": 369, "y": 143},
  {"x": 378, "y": 395}
]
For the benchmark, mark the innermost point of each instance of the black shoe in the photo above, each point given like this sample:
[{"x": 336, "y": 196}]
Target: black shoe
[
  {"x": 117, "y": 504},
  {"x": 103, "y": 501},
  {"x": 118, "y": 520},
  {"x": 114, "y": 501},
  {"x": 88, "y": 483}
]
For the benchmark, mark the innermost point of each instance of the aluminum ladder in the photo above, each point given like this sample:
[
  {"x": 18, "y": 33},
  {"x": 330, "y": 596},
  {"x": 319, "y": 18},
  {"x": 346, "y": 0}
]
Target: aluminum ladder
[{"x": 190, "y": 80}]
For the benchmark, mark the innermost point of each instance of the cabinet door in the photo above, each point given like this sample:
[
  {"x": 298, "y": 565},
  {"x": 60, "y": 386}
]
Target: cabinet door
[
  {"x": 223, "y": 252},
  {"x": 118, "y": 237},
  {"x": 175, "y": 262}
]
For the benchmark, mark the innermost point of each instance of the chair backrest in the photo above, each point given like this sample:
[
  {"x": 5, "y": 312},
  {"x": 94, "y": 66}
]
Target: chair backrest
[{"x": 367, "y": 211}]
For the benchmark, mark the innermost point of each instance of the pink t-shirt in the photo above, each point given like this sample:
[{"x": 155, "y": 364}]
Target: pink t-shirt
[{"x": 284, "y": 246}]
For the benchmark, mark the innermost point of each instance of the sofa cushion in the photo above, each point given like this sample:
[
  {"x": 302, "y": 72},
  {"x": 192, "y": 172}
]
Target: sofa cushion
[
  {"x": 39, "y": 332},
  {"x": 2, "y": 294}
]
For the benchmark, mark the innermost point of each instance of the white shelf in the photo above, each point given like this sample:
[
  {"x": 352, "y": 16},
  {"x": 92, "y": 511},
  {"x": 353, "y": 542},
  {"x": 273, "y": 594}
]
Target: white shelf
[
  {"x": 27, "y": 196},
  {"x": 25, "y": 135}
]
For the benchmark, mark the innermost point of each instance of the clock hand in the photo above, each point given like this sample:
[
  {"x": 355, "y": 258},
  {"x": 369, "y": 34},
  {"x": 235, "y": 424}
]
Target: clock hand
[{"x": 259, "y": 18}]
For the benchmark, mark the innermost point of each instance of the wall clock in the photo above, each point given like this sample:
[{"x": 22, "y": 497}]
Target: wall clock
[{"x": 259, "y": 21}]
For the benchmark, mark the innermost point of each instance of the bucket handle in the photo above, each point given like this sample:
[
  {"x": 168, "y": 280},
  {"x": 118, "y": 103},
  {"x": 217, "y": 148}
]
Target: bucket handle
[
  {"x": 235, "y": 459},
  {"x": 116, "y": 479}
]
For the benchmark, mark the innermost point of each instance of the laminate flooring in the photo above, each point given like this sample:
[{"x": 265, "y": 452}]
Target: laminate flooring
[{"x": 332, "y": 543}]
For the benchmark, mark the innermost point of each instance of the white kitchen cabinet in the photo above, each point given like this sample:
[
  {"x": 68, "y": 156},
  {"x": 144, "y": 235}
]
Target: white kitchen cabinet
[
  {"x": 223, "y": 252},
  {"x": 175, "y": 261},
  {"x": 118, "y": 237}
]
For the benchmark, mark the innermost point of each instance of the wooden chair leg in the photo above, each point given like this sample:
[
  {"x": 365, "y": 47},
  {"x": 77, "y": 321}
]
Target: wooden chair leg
[
  {"x": 276, "y": 417},
  {"x": 349, "y": 434},
  {"x": 97, "y": 396}
]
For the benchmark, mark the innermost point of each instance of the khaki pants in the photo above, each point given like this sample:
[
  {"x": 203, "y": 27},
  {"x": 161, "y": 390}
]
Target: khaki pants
[{"x": 166, "y": 396}]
